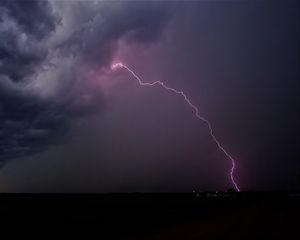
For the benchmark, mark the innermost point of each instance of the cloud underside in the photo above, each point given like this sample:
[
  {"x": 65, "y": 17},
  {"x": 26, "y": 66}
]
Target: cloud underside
[{"x": 46, "y": 48}]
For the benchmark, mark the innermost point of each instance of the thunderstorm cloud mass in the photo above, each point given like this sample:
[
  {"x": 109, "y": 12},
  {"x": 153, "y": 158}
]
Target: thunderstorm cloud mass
[{"x": 72, "y": 121}]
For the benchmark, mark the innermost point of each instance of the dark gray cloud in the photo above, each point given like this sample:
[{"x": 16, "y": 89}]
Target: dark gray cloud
[
  {"x": 95, "y": 39},
  {"x": 27, "y": 125},
  {"x": 45, "y": 49},
  {"x": 22, "y": 25},
  {"x": 33, "y": 17}
]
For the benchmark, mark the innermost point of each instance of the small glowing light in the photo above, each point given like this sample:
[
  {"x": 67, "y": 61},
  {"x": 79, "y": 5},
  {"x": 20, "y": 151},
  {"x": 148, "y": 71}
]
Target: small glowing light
[{"x": 116, "y": 65}]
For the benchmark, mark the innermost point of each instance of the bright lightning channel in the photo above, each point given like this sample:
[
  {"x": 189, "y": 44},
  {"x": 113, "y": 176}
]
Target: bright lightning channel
[{"x": 191, "y": 105}]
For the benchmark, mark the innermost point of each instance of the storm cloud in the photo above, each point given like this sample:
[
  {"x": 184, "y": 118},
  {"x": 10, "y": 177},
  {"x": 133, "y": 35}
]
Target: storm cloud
[
  {"x": 46, "y": 49},
  {"x": 74, "y": 125}
]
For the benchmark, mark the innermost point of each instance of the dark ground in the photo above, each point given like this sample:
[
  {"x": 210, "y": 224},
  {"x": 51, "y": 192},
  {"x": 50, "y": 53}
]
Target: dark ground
[{"x": 248, "y": 215}]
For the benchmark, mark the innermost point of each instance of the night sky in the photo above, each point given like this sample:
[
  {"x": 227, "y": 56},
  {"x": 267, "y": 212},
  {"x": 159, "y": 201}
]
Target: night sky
[{"x": 69, "y": 123}]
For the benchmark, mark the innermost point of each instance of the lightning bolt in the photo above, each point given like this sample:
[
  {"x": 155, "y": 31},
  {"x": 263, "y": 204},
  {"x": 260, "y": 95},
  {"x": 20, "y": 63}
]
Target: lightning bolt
[{"x": 193, "y": 107}]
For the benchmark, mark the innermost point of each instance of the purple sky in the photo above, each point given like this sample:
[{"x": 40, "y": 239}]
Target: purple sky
[{"x": 70, "y": 124}]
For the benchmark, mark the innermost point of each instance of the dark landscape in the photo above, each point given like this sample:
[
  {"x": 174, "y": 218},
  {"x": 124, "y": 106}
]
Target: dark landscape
[{"x": 246, "y": 215}]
